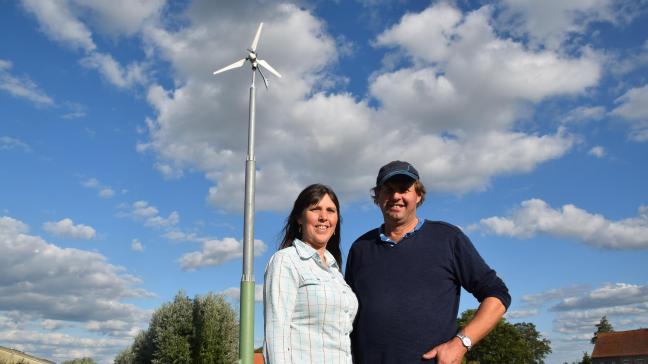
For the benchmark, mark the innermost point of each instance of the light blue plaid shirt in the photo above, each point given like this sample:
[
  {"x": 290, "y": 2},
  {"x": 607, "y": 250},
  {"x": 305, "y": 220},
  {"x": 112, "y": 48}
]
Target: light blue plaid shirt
[{"x": 308, "y": 308}]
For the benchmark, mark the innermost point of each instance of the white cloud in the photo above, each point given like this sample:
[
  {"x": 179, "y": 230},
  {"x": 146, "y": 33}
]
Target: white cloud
[
  {"x": 584, "y": 114},
  {"x": 49, "y": 282},
  {"x": 597, "y": 151},
  {"x": 8, "y": 143},
  {"x": 552, "y": 22},
  {"x": 437, "y": 23},
  {"x": 577, "y": 309},
  {"x": 53, "y": 324},
  {"x": 90, "y": 183},
  {"x": 633, "y": 106},
  {"x": 609, "y": 295},
  {"x": 61, "y": 346},
  {"x": 109, "y": 15},
  {"x": 113, "y": 72},
  {"x": 22, "y": 87},
  {"x": 516, "y": 314},
  {"x": 67, "y": 228},
  {"x": 137, "y": 246},
  {"x": 106, "y": 193},
  {"x": 74, "y": 111},
  {"x": 216, "y": 252},
  {"x": 58, "y": 22},
  {"x": 70, "y": 22},
  {"x": 537, "y": 217},
  {"x": 103, "y": 191},
  {"x": 235, "y": 293},
  {"x": 538, "y": 299},
  {"x": 149, "y": 215},
  {"x": 459, "y": 136}
]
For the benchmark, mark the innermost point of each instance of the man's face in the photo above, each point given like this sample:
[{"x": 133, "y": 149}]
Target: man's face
[{"x": 397, "y": 199}]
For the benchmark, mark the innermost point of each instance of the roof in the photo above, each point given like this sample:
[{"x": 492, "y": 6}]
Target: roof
[
  {"x": 16, "y": 356},
  {"x": 258, "y": 358},
  {"x": 621, "y": 343}
]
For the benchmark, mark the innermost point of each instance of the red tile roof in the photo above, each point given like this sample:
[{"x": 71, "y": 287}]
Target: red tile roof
[
  {"x": 258, "y": 358},
  {"x": 621, "y": 343}
]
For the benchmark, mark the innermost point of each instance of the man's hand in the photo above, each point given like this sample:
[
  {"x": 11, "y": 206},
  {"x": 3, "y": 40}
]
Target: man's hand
[{"x": 450, "y": 352}]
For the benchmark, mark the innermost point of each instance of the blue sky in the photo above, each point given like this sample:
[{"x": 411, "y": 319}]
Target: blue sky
[{"x": 123, "y": 156}]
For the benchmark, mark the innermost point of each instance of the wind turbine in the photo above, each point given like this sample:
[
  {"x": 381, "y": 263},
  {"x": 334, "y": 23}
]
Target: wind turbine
[{"x": 246, "y": 339}]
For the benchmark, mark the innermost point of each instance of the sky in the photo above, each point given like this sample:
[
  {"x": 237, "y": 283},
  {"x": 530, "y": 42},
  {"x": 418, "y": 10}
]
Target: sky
[{"x": 123, "y": 157}]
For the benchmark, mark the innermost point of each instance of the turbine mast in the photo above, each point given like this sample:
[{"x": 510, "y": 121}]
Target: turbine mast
[{"x": 246, "y": 339}]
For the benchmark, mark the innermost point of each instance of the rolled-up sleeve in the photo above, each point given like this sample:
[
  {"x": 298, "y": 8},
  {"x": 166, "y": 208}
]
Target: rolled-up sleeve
[{"x": 281, "y": 283}]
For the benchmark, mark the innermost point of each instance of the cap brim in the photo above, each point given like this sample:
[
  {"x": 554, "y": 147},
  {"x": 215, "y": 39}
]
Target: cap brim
[{"x": 398, "y": 173}]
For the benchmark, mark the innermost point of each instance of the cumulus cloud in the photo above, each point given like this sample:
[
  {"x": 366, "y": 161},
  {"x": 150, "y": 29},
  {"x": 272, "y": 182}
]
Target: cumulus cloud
[
  {"x": 537, "y": 217},
  {"x": 216, "y": 252},
  {"x": 459, "y": 136},
  {"x": 577, "y": 309},
  {"x": 58, "y": 22},
  {"x": 9, "y": 143},
  {"x": 584, "y": 114},
  {"x": 137, "y": 246},
  {"x": 70, "y": 22},
  {"x": 50, "y": 287},
  {"x": 115, "y": 73},
  {"x": 552, "y": 22},
  {"x": 103, "y": 190},
  {"x": 106, "y": 193},
  {"x": 235, "y": 293},
  {"x": 597, "y": 151},
  {"x": 609, "y": 295},
  {"x": 22, "y": 87},
  {"x": 149, "y": 215},
  {"x": 538, "y": 299},
  {"x": 61, "y": 346},
  {"x": 66, "y": 228},
  {"x": 633, "y": 106},
  {"x": 61, "y": 283},
  {"x": 515, "y": 314}
]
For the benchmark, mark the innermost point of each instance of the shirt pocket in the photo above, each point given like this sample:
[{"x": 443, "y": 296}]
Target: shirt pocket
[{"x": 313, "y": 279}]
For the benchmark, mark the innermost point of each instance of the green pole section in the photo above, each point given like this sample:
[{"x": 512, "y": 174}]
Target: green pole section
[{"x": 246, "y": 340}]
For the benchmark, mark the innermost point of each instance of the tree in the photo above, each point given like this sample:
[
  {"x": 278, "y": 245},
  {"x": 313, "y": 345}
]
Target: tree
[
  {"x": 216, "y": 330},
  {"x": 507, "y": 343},
  {"x": 586, "y": 358},
  {"x": 202, "y": 330},
  {"x": 538, "y": 346},
  {"x": 80, "y": 361},
  {"x": 603, "y": 326}
]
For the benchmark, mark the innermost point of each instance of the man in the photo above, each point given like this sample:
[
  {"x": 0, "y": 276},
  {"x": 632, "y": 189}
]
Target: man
[{"x": 408, "y": 276}]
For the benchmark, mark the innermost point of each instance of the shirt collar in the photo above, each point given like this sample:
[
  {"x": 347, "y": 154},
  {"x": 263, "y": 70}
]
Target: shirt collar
[
  {"x": 390, "y": 242},
  {"x": 305, "y": 251}
]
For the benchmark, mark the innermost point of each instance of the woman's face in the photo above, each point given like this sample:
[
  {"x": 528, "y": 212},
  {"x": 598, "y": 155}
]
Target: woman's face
[{"x": 318, "y": 222}]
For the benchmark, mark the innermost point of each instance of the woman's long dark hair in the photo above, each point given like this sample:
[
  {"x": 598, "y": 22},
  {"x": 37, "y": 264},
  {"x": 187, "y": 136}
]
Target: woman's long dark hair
[{"x": 308, "y": 197}]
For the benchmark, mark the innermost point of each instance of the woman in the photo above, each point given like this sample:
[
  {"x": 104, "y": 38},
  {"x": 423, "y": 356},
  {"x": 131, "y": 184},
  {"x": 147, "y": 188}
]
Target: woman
[{"x": 308, "y": 307}]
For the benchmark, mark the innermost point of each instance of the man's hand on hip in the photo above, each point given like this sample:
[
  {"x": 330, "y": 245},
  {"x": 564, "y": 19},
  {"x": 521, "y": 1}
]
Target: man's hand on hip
[{"x": 450, "y": 352}]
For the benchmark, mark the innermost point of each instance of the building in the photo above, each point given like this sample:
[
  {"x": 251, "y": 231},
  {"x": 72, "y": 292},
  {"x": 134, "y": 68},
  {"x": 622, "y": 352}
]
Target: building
[
  {"x": 621, "y": 347},
  {"x": 258, "y": 358},
  {"x": 11, "y": 356}
]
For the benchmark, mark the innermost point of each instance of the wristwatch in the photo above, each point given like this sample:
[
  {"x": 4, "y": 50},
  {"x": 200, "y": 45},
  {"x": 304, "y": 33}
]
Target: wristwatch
[{"x": 465, "y": 341}]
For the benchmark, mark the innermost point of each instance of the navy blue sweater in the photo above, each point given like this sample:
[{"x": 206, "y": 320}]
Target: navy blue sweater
[{"x": 409, "y": 293}]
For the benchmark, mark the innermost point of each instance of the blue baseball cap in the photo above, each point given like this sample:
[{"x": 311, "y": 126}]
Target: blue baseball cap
[{"x": 396, "y": 168}]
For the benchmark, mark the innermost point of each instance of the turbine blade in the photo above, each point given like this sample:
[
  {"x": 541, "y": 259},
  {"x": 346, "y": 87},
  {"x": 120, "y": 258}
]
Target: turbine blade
[
  {"x": 269, "y": 67},
  {"x": 264, "y": 78},
  {"x": 256, "y": 38},
  {"x": 236, "y": 64}
]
